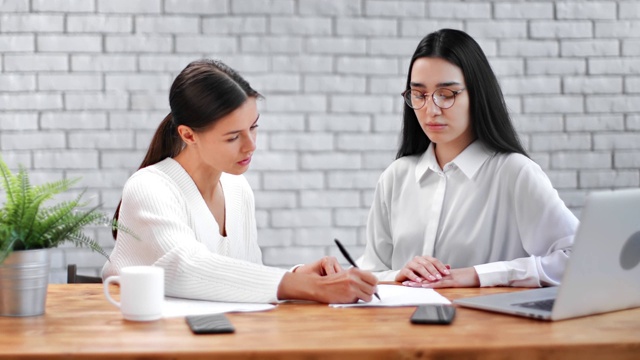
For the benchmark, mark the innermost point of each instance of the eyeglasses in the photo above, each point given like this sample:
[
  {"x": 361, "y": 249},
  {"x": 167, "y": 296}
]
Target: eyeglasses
[{"x": 443, "y": 98}]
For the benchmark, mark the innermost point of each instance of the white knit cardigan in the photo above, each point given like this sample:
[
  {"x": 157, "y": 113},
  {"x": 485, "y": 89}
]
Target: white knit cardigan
[{"x": 176, "y": 231}]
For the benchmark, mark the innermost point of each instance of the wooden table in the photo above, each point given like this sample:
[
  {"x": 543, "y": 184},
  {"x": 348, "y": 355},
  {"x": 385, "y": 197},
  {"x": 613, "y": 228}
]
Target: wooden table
[{"x": 80, "y": 324}]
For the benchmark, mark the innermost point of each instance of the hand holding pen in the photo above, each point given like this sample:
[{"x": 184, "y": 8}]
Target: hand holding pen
[{"x": 350, "y": 260}]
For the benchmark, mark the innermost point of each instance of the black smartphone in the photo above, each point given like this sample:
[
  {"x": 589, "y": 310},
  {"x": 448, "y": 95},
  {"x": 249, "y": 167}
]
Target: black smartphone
[
  {"x": 433, "y": 314},
  {"x": 210, "y": 324}
]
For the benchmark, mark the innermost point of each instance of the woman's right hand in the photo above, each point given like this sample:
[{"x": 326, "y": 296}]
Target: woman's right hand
[
  {"x": 423, "y": 269},
  {"x": 347, "y": 286}
]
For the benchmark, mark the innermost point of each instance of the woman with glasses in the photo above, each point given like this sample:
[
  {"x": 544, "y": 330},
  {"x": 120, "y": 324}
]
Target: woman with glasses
[
  {"x": 463, "y": 205},
  {"x": 193, "y": 212}
]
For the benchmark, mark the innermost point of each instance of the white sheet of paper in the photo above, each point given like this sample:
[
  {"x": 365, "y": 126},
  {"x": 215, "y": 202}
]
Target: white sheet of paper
[
  {"x": 176, "y": 307},
  {"x": 397, "y": 295}
]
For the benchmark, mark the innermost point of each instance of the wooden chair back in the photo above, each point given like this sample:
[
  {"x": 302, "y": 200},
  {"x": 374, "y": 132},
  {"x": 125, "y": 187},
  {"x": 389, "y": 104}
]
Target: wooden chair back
[{"x": 74, "y": 278}]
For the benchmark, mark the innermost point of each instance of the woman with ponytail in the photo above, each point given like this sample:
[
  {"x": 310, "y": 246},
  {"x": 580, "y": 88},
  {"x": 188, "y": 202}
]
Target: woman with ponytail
[{"x": 193, "y": 211}]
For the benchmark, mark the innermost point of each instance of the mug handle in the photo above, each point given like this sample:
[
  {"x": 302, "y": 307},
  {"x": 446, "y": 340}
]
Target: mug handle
[{"x": 109, "y": 280}]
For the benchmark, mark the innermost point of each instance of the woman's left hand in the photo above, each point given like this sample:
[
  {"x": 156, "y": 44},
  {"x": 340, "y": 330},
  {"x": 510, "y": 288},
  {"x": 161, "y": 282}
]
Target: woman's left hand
[
  {"x": 326, "y": 266},
  {"x": 464, "y": 277}
]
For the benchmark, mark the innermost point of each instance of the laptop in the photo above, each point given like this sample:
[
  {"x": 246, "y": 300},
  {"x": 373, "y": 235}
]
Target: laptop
[{"x": 603, "y": 271}]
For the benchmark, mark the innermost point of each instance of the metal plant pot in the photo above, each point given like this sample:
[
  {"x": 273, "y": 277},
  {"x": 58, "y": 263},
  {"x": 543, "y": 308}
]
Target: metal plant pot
[{"x": 24, "y": 277}]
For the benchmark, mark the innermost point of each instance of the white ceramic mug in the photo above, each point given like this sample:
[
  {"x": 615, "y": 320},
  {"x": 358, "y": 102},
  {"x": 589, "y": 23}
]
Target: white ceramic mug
[{"x": 141, "y": 292}]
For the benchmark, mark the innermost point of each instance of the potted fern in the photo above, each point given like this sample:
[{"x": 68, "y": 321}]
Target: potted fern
[{"x": 28, "y": 228}]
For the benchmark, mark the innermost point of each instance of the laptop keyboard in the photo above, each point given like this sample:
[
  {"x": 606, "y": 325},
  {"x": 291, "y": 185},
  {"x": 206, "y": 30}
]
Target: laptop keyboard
[{"x": 538, "y": 305}]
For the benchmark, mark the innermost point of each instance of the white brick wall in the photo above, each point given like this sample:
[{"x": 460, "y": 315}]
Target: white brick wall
[
  {"x": 17, "y": 82},
  {"x": 590, "y": 10},
  {"x": 583, "y": 48},
  {"x": 59, "y": 6},
  {"x": 86, "y": 23},
  {"x": 18, "y": 121},
  {"x": 458, "y": 10},
  {"x": 31, "y": 23},
  {"x": 83, "y": 85},
  {"x": 129, "y": 7},
  {"x": 69, "y": 43},
  {"x": 396, "y": 9},
  {"x": 69, "y": 120},
  {"x": 539, "y": 10}
]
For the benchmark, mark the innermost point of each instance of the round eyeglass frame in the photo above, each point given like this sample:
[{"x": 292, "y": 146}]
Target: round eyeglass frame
[{"x": 433, "y": 98}]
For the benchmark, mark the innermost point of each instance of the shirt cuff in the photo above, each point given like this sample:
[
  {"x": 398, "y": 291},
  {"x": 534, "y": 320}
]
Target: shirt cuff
[
  {"x": 295, "y": 267},
  {"x": 493, "y": 274}
]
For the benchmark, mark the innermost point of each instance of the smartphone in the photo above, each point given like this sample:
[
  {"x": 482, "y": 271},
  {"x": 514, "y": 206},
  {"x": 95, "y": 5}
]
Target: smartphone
[
  {"x": 433, "y": 314},
  {"x": 210, "y": 324}
]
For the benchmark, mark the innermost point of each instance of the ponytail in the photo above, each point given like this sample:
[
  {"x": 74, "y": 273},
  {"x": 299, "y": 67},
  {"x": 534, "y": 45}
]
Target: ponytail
[{"x": 165, "y": 143}]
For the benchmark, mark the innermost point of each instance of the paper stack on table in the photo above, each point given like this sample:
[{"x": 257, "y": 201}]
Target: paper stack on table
[
  {"x": 175, "y": 307},
  {"x": 397, "y": 295}
]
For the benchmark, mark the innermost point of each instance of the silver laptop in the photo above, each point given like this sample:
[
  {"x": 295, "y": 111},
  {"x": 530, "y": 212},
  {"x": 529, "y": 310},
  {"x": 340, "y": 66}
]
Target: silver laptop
[{"x": 603, "y": 272}]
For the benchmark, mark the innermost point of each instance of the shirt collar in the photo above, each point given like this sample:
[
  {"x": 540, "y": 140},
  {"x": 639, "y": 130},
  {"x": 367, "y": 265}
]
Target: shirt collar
[{"x": 468, "y": 161}]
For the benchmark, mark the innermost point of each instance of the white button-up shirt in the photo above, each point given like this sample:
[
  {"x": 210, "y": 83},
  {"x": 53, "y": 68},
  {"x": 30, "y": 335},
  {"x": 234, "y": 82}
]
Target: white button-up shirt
[{"x": 496, "y": 212}]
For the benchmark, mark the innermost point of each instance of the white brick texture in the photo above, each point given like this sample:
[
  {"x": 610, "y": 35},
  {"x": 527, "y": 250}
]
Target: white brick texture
[
  {"x": 99, "y": 23},
  {"x": 300, "y": 218},
  {"x": 329, "y": 199},
  {"x": 561, "y": 29},
  {"x": 609, "y": 178},
  {"x": 286, "y": 25},
  {"x": 138, "y": 43},
  {"x": 129, "y": 7},
  {"x": 167, "y": 24},
  {"x": 589, "y": 10},
  {"x": 276, "y": 199},
  {"x": 523, "y": 10},
  {"x": 60, "y": 6},
  {"x": 340, "y": 8},
  {"x": 263, "y": 7},
  {"x": 459, "y": 10},
  {"x": 103, "y": 63},
  {"x": 590, "y": 47},
  {"x": 18, "y": 121},
  {"x": 14, "y": 6},
  {"x": 32, "y": 140},
  {"x": 84, "y": 84},
  {"x": 17, "y": 43},
  {"x": 53, "y": 82},
  {"x": 69, "y": 43},
  {"x": 31, "y": 23},
  {"x": 17, "y": 82},
  {"x": 395, "y": 9}
]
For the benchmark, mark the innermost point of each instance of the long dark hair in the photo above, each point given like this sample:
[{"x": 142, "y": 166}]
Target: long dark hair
[
  {"x": 489, "y": 116},
  {"x": 203, "y": 93}
]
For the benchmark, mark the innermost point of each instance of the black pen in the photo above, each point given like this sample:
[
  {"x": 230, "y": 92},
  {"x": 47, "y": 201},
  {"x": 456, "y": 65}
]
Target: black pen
[{"x": 350, "y": 260}]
